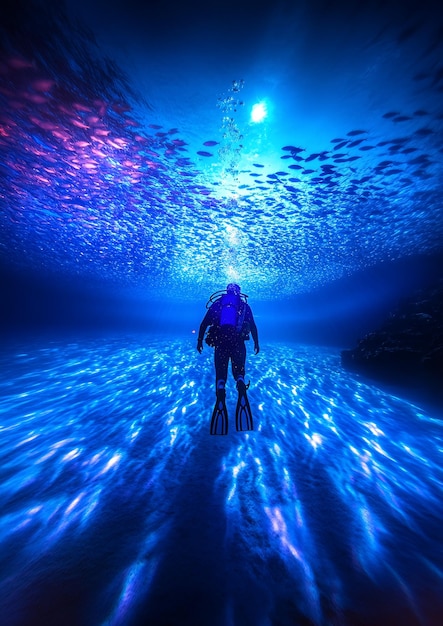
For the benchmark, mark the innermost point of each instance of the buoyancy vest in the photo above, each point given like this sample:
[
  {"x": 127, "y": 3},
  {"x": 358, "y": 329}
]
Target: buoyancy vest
[{"x": 232, "y": 311}]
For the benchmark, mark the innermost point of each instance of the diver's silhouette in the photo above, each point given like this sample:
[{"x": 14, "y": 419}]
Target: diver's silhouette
[{"x": 230, "y": 321}]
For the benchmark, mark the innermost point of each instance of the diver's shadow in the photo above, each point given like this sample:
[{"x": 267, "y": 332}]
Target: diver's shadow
[{"x": 190, "y": 584}]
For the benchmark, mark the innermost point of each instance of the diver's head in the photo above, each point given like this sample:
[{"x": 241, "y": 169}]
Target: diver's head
[{"x": 233, "y": 288}]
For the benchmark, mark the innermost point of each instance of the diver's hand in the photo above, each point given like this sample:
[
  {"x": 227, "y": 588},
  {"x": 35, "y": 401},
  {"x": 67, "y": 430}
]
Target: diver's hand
[
  {"x": 200, "y": 345},
  {"x": 256, "y": 348}
]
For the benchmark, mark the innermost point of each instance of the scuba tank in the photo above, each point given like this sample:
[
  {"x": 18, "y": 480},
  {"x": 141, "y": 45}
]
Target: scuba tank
[
  {"x": 232, "y": 314},
  {"x": 229, "y": 313}
]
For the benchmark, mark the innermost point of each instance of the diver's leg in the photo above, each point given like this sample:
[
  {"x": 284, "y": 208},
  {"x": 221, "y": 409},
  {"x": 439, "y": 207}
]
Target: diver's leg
[
  {"x": 221, "y": 360},
  {"x": 219, "y": 421},
  {"x": 238, "y": 360},
  {"x": 243, "y": 415}
]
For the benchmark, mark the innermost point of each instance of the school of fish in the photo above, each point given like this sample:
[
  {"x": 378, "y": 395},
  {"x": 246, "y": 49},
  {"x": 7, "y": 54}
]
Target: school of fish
[{"x": 89, "y": 190}]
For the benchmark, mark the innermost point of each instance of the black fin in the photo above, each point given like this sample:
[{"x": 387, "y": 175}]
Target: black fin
[
  {"x": 219, "y": 420},
  {"x": 243, "y": 414}
]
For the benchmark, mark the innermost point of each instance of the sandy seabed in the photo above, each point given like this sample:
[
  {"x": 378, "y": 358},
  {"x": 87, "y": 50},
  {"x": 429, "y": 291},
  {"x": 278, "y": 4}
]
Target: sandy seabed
[{"x": 118, "y": 507}]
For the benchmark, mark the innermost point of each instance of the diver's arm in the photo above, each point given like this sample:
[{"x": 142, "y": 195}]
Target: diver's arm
[
  {"x": 203, "y": 326},
  {"x": 254, "y": 332}
]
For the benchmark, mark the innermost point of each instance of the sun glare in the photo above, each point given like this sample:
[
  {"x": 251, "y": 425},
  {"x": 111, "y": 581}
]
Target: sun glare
[{"x": 259, "y": 112}]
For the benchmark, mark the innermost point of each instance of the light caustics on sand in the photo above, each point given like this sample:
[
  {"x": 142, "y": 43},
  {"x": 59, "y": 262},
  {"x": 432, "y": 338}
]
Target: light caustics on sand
[
  {"x": 339, "y": 468},
  {"x": 339, "y": 486}
]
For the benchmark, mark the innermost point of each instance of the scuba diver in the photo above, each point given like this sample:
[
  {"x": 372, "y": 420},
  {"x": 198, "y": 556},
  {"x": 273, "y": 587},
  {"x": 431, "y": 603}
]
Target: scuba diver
[{"x": 230, "y": 321}]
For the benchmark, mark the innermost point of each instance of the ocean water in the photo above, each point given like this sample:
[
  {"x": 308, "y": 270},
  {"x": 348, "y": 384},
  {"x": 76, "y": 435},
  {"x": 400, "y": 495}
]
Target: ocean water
[
  {"x": 119, "y": 508},
  {"x": 136, "y": 178},
  {"x": 130, "y": 154}
]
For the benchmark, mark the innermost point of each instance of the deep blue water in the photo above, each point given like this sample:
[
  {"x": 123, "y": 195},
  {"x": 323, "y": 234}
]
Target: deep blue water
[
  {"x": 129, "y": 156},
  {"x": 134, "y": 182},
  {"x": 119, "y": 508}
]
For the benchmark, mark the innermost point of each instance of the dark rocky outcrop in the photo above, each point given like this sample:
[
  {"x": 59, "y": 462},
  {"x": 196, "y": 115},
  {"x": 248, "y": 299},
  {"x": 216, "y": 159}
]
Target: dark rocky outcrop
[{"x": 408, "y": 348}]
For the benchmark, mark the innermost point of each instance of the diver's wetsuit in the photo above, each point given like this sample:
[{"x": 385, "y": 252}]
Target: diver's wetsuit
[
  {"x": 229, "y": 343},
  {"x": 229, "y": 346}
]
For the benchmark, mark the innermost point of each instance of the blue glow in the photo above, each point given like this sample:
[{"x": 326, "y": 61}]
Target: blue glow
[
  {"x": 106, "y": 181},
  {"x": 259, "y": 112},
  {"x": 105, "y": 459},
  {"x": 134, "y": 167}
]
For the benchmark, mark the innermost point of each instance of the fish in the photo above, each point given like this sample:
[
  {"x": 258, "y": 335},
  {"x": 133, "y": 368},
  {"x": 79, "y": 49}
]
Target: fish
[
  {"x": 108, "y": 160},
  {"x": 79, "y": 123},
  {"x": 423, "y": 158},
  {"x": 18, "y": 63},
  {"x": 424, "y": 131},
  {"x": 390, "y": 114},
  {"x": 79, "y": 106},
  {"x": 44, "y": 85}
]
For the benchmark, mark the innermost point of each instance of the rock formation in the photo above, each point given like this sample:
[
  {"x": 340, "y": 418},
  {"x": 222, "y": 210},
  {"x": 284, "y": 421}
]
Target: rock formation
[{"x": 408, "y": 348}]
